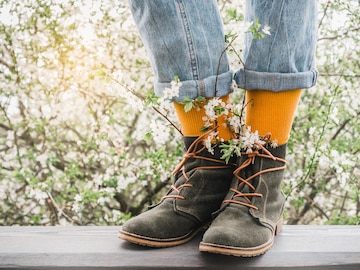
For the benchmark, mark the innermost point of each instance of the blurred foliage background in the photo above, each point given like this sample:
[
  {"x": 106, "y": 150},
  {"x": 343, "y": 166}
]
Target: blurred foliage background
[{"x": 77, "y": 147}]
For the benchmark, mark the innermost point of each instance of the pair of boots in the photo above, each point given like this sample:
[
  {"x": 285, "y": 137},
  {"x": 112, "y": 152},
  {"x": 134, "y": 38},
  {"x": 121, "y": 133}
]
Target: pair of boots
[{"x": 241, "y": 200}]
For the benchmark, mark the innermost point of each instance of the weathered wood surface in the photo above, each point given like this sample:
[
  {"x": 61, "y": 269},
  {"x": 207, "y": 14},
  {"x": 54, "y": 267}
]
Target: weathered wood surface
[{"x": 297, "y": 247}]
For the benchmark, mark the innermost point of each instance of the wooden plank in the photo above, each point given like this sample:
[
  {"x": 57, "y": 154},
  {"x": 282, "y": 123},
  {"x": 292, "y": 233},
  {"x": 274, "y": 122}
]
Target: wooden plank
[{"x": 297, "y": 247}]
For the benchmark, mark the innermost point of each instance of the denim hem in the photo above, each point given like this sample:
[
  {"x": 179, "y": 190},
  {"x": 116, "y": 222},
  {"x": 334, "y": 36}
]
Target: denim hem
[
  {"x": 205, "y": 87},
  {"x": 276, "y": 82}
]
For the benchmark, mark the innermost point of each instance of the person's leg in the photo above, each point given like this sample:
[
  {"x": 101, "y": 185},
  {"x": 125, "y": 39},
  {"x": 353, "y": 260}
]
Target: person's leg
[
  {"x": 281, "y": 64},
  {"x": 185, "y": 39},
  {"x": 276, "y": 68}
]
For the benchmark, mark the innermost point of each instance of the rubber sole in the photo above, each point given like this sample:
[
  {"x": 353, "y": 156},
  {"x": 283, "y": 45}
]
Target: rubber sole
[
  {"x": 241, "y": 252},
  {"x": 234, "y": 251},
  {"x": 157, "y": 243}
]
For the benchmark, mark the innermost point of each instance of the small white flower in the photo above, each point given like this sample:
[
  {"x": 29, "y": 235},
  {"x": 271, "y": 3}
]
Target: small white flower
[
  {"x": 144, "y": 183},
  {"x": 76, "y": 207},
  {"x": 251, "y": 140},
  {"x": 312, "y": 130},
  {"x": 160, "y": 132},
  {"x": 266, "y": 30},
  {"x": 39, "y": 195},
  {"x": 165, "y": 104},
  {"x": 274, "y": 144},
  {"x": 235, "y": 123},
  {"x": 209, "y": 108},
  {"x": 170, "y": 93},
  {"x": 208, "y": 142},
  {"x": 98, "y": 180},
  {"x": 101, "y": 200},
  {"x": 176, "y": 84},
  {"x": 78, "y": 198},
  {"x": 207, "y": 122},
  {"x": 118, "y": 75}
]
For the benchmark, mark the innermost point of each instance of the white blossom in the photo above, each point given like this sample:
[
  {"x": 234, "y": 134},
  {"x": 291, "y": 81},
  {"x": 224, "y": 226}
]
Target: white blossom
[
  {"x": 75, "y": 207},
  {"x": 251, "y": 139},
  {"x": 101, "y": 200},
  {"x": 210, "y": 108},
  {"x": 235, "y": 123},
  {"x": 165, "y": 104},
  {"x": 78, "y": 198},
  {"x": 266, "y": 30},
  {"x": 39, "y": 195},
  {"x": 209, "y": 141},
  {"x": 159, "y": 131}
]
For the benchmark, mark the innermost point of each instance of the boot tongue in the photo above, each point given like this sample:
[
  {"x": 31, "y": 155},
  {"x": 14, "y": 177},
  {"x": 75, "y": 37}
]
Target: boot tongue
[
  {"x": 188, "y": 141},
  {"x": 254, "y": 167},
  {"x": 245, "y": 174}
]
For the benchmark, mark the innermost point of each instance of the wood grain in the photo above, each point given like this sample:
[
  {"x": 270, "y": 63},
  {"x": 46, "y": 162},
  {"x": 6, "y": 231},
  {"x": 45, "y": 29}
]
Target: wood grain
[{"x": 297, "y": 247}]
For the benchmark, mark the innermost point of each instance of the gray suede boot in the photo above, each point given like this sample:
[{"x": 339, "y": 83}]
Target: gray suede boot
[
  {"x": 251, "y": 214},
  {"x": 197, "y": 192}
]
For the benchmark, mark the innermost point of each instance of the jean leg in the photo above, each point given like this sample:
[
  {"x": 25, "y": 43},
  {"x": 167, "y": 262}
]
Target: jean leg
[
  {"x": 184, "y": 38},
  {"x": 285, "y": 59}
]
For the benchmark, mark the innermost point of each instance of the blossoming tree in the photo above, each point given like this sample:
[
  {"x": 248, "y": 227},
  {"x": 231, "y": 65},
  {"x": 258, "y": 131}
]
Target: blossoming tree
[{"x": 84, "y": 141}]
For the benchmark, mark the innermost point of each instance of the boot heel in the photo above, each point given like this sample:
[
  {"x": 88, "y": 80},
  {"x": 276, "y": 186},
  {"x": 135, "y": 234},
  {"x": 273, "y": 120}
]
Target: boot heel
[{"x": 279, "y": 226}]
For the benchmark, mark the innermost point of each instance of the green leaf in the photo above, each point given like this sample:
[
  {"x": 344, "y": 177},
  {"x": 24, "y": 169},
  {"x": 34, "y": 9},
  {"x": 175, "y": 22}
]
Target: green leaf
[
  {"x": 147, "y": 136},
  {"x": 219, "y": 110},
  {"x": 200, "y": 99},
  {"x": 151, "y": 98},
  {"x": 188, "y": 106},
  {"x": 204, "y": 128}
]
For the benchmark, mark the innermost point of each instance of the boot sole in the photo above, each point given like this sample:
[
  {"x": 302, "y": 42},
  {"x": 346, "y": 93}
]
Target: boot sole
[
  {"x": 241, "y": 252},
  {"x": 157, "y": 243}
]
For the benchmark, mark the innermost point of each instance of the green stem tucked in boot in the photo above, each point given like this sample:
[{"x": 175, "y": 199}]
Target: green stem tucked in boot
[
  {"x": 251, "y": 214},
  {"x": 197, "y": 192}
]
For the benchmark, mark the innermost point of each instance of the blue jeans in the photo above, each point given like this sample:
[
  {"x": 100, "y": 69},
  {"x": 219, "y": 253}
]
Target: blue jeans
[{"x": 185, "y": 38}]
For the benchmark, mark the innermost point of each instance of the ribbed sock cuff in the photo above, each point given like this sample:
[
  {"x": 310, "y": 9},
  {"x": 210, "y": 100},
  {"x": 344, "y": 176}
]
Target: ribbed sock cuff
[
  {"x": 272, "y": 112},
  {"x": 192, "y": 121}
]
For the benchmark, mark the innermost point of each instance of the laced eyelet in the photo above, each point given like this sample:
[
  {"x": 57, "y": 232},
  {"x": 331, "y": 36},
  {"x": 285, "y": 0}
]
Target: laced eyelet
[{"x": 247, "y": 197}]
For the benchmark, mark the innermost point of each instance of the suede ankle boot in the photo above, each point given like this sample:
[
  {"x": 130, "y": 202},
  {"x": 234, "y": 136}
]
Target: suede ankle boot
[
  {"x": 251, "y": 214},
  {"x": 198, "y": 191}
]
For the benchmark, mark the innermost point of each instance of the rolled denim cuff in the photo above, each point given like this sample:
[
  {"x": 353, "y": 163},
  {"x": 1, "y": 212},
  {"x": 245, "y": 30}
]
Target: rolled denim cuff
[
  {"x": 205, "y": 87},
  {"x": 276, "y": 82},
  {"x": 285, "y": 58}
]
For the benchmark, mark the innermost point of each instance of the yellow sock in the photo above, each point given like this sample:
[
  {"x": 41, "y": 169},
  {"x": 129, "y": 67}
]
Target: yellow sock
[
  {"x": 192, "y": 121},
  {"x": 273, "y": 112}
]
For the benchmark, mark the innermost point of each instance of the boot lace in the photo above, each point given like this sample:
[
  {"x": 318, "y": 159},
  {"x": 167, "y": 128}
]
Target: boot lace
[
  {"x": 247, "y": 182},
  {"x": 193, "y": 152}
]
